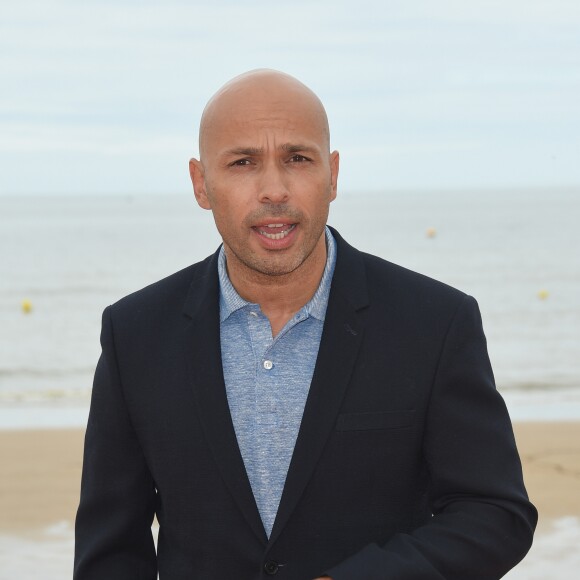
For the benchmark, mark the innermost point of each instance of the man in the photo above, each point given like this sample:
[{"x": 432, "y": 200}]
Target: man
[{"x": 291, "y": 406}]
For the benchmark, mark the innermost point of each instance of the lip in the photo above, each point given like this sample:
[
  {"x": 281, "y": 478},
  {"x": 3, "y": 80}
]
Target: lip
[{"x": 270, "y": 227}]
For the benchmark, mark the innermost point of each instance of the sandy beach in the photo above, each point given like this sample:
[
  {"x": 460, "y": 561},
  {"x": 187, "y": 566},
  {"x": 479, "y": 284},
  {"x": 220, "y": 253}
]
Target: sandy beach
[
  {"x": 40, "y": 478},
  {"x": 39, "y": 487},
  {"x": 41, "y": 473}
]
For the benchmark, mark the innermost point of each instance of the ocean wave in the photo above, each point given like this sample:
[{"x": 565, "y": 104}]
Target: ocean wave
[
  {"x": 44, "y": 372},
  {"x": 48, "y": 395},
  {"x": 544, "y": 385}
]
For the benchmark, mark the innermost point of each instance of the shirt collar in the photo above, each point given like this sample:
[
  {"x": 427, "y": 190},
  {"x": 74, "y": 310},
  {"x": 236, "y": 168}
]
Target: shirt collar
[{"x": 230, "y": 300}]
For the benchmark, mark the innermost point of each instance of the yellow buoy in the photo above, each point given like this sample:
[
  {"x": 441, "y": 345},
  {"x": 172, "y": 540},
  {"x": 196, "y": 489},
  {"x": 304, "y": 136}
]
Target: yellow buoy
[
  {"x": 431, "y": 232},
  {"x": 26, "y": 306},
  {"x": 543, "y": 294}
]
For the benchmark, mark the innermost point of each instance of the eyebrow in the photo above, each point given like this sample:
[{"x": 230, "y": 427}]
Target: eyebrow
[
  {"x": 256, "y": 151},
  {"x": 297, "y": 148}
]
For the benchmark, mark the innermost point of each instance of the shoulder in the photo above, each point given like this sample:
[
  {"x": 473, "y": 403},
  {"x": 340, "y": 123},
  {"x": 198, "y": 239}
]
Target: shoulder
[
  {"x": 167, "y": 295},
  {"x": 418, "y": 303},
  {"x": 391, "y": 298},
  {"x": 383, "y": 274},
  {"x": 388, "y": 282}
]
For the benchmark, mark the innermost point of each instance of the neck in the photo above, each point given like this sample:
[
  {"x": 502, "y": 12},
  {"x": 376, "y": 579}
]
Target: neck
[{"x": 281, "y": 296}]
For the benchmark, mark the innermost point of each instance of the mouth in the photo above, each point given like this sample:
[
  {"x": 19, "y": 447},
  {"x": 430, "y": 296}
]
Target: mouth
[{"x": 274, "y": 231}]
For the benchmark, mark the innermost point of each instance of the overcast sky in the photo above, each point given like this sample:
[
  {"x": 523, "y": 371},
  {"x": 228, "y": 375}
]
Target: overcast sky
[{"x": 100, "y": 96}]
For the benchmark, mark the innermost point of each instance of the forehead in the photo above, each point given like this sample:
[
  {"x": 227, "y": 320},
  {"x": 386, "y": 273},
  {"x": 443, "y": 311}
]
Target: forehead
[{"x": 258, "y": 117}]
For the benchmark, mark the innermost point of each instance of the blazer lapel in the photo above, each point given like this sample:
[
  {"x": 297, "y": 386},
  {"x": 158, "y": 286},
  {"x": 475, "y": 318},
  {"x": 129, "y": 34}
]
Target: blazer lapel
[
  {"x": 203, "y": 354},
  {"x": 339, "y": 346}
]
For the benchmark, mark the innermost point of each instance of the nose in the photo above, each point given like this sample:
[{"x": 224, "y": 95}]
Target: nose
[{"x": 273, "y": 186}]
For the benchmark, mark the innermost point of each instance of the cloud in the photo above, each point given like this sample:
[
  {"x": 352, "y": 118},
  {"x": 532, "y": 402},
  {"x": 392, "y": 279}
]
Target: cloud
[{"x": 126, "y": 78}]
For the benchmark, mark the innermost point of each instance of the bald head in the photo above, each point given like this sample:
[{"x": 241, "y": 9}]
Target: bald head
[{"x": 261, "y": 96}]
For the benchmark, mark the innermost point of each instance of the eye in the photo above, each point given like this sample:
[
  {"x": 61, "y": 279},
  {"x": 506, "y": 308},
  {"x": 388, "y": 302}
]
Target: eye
[
  {"x": 297, "y": 158},
  {"x": 240, "y": 162}
]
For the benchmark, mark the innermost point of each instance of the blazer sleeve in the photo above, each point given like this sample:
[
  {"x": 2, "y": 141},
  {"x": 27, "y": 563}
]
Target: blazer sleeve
[
  {"x": 113, "y": 536},
  {"x": 482, "y": 522}
]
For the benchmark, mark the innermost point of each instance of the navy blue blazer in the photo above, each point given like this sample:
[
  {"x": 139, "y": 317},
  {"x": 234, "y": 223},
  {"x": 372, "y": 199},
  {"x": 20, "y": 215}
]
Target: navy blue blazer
[{"x": 405, "y": 467}]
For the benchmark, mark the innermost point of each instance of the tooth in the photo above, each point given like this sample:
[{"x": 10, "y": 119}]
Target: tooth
[{"x": 278, "y": 236}]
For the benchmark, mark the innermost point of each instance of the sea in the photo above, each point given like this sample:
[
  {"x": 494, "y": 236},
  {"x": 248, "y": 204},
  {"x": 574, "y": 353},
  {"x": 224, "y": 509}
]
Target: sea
[{"x": 63, "y": 259}]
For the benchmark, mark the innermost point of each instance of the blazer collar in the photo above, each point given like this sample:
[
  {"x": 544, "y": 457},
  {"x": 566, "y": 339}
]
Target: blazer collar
[{"x": 350, "y": 279}]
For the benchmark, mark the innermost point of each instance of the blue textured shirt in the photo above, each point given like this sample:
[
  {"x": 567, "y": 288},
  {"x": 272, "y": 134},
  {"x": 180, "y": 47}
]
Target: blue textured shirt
[{"x": 267, "y": 380}]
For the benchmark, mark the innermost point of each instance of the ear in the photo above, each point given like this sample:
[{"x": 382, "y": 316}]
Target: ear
[
  {"x": 197, "y": 175},
  {"x": 334, "y": 163}
]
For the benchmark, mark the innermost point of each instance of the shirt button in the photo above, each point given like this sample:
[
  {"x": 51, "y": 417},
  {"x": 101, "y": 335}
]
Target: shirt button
[
  {"x": 268, "y": 364},
  {"x": 271, "y": 567},
  {"x": 252, "y": 313}
]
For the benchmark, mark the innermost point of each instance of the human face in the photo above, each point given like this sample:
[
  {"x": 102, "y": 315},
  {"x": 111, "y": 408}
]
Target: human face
[{"x": 268, "y": 178}]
